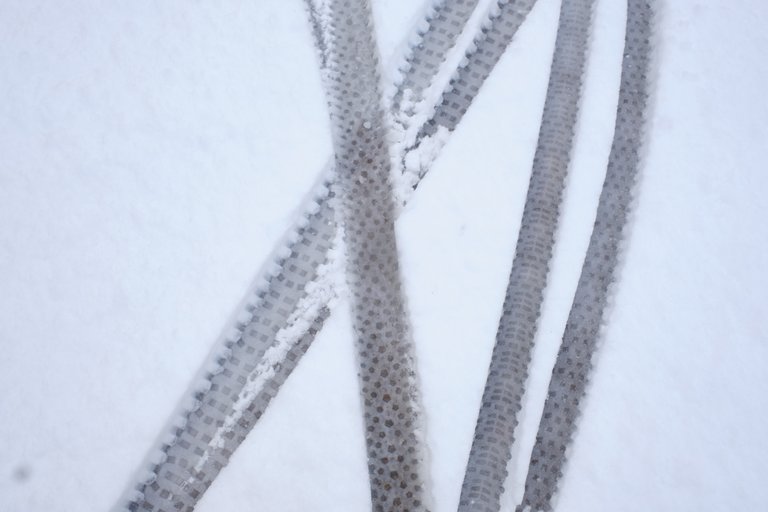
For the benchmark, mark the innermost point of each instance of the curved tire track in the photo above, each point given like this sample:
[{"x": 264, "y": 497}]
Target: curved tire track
[
  {"x": 572, "y": 367},
  {"x": 501, "y": 403}
]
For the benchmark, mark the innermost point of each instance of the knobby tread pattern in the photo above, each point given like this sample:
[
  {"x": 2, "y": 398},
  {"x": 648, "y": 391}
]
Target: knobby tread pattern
[
  {"x": 501, "y": 403},
  {"x": 387, "y": 368},
  {"x": 445, "y": 24},
  {"x": 574, "y": 360},
  {"x": 495, "y": 36},
  {"x": 181, "y": 486},
  {"x": 181, "y": 478},
  {"x": 173, "y": 482}
]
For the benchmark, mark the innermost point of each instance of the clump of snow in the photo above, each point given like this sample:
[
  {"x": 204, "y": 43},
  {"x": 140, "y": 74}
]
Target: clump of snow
[
  {"x": 416, "y": 163},
  {"x": 260, "y": 375},
  {"x": 320, "y": 292}
]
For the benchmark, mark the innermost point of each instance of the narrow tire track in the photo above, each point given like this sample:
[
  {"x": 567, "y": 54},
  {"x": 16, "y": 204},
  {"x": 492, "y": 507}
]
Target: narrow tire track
[
  {"x": 570, "y": 375},
  {"x": 445, "y": 21},
  {"x": 495, "y": 36},
  {"x": 501, "y": 403}
]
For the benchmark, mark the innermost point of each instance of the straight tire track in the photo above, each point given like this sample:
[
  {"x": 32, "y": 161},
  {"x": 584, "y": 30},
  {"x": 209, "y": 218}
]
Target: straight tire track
[
  {"x": 488, "y": 47},
  {"x": 386, "y": 360},
  {"x": 495, "y": 35},
  {"x": 446, "y": 20}
]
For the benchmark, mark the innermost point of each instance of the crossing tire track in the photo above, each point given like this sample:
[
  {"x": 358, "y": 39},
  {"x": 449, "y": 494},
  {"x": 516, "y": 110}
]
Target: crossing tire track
[
  {"x": 185, "y": 461},
  {"x": 386, "y": 364}
]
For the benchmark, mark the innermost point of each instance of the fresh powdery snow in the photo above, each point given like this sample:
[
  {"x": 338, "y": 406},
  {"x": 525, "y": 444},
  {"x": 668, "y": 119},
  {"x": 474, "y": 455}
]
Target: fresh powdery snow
[{"x": 153, "y": 153}]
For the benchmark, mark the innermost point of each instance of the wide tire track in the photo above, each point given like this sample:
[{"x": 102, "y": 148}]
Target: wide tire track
[{"x": 387, "y": 367}]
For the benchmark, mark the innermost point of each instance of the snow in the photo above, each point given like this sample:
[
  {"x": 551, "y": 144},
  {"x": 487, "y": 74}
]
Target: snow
[{"x": 154, "y": 153}]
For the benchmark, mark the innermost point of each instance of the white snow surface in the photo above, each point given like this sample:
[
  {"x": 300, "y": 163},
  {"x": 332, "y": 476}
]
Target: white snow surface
[{"x": 154, "y": 152}]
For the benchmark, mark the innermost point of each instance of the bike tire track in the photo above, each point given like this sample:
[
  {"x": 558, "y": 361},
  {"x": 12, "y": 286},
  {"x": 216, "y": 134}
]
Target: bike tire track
[
  {"x": 573, "y": 364},
  {"x": 495, "y": 35},
  {"x": 175, "y": 475},
  {"x": 446, "y": 20},
  {"x": 501, "y": 403},
  {"x": 385, "y": 352}
]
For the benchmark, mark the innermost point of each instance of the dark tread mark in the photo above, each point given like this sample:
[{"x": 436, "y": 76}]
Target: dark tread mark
[{"x": 382, "y": 334}]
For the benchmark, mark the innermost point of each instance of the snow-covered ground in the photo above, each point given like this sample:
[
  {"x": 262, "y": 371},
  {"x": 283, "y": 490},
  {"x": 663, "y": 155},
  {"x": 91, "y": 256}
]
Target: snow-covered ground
[{"x": 152, "y": 153}]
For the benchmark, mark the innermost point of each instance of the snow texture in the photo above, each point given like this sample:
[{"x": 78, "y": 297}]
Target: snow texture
[{"x": 153, "y": 154}]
